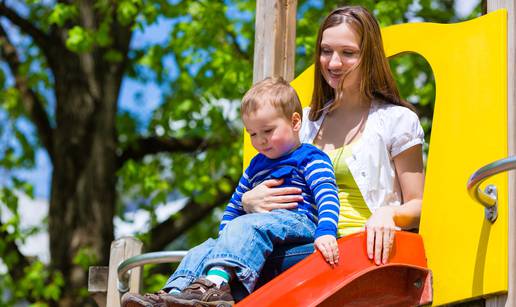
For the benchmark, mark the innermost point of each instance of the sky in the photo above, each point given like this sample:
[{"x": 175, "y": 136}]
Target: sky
[{"x": 150, "y": 98}]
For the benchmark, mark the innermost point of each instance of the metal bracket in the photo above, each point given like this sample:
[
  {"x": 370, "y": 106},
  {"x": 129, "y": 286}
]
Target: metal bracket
[{"x": 491, "y": 213}]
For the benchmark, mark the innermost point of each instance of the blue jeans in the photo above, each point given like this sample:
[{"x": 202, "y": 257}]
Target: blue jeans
[
  {"x": 282, "y": 258},
  {"x": 244, "y": 246}
]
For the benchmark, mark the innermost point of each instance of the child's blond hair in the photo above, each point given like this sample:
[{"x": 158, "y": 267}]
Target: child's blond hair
[{"x": 275, "y": 91}]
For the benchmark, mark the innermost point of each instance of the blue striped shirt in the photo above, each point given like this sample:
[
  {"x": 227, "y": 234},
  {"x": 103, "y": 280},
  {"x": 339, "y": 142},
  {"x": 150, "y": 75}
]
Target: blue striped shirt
[{"x": 307, "y": 168}]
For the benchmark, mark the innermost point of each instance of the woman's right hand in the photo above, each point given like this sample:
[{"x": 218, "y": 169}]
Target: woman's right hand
[{"x": 266, "y": 197}]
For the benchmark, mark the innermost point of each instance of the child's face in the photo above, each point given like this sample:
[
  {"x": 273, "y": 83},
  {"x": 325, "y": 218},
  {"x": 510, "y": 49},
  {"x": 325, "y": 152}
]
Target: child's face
[{"x": 272, "y": 134}]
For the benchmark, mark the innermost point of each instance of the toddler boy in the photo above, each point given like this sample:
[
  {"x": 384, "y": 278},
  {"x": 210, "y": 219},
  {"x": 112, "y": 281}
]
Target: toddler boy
[{"x": 271, "y": 113}]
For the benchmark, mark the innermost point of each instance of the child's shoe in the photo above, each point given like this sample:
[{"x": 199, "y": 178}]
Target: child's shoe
[
  {"x": 203, "y": 292},
  {"x": 160, "y": 299}
]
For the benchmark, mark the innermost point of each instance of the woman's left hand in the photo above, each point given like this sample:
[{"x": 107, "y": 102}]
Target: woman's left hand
[{"x": 380, "y": 234}]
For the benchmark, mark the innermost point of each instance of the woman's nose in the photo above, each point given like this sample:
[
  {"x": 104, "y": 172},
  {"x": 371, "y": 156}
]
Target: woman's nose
[{"x": 335, "y": 60}]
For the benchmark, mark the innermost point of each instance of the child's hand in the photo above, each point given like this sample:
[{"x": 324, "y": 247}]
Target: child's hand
[{"x": 327, "y": 244}]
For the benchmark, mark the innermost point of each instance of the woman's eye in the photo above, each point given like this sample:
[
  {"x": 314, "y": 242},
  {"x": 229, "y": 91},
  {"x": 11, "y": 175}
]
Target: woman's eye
[
  {"x": 252, "y": 134},
  {"x": 349, "y": 53},
  {"x": 268, "y": 131},
  {"x": 326, "y": 51}
]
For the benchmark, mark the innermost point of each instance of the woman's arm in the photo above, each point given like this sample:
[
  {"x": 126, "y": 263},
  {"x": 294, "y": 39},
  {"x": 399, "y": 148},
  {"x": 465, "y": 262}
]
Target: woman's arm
[
  {"x": 386, "y": 220},
  {"x": 266, "y": 197},
  {"x": 409, "y": 167}
]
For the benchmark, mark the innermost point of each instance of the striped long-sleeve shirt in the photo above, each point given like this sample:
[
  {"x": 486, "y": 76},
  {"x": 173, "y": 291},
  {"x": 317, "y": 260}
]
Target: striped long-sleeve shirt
[{"x": 307, "y": 168}]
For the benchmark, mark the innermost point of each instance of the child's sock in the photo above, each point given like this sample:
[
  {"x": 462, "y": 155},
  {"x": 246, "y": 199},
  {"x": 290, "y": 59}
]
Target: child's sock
[
  {"x": 174, "y": 291},
  {"x": 218, "y": 275}
]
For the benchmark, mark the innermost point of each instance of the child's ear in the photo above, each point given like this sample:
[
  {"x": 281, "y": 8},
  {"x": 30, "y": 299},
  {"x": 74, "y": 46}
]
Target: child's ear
[{"x": 296, "y": 121}]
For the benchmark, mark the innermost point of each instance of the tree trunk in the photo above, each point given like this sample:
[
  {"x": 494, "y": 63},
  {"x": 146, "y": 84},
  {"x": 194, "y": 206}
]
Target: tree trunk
[{"x": 82, "y": 201}]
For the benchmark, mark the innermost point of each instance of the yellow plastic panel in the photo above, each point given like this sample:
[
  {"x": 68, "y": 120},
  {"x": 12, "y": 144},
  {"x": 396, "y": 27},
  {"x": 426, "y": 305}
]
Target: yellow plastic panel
[{"x": 468, "y": 255}]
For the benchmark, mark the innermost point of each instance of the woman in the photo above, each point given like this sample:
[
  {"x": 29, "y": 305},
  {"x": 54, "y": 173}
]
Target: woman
[
  {"x": 373, "y": 137},
  {"x": 371, "y": 134}
]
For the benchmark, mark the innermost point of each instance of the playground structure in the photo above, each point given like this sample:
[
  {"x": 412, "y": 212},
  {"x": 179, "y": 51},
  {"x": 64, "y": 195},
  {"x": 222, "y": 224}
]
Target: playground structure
[{"x": 470, "y": 255}]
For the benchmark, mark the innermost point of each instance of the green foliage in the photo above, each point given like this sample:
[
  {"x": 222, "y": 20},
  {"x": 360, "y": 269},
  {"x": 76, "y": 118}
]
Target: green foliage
[
  {"x": 127, "y": 11},
  {"x": 85, "y": 257},
  {"x": 62, "y": 13},
  {"x": 103, "y": 35},
  {"x": 153, "y": 282},
  {"x": 40, "y": 284},
  {"x": 417, "y": 85},
  {"x": 79, "y": 39},
  {"x": 113, "y": 56}
]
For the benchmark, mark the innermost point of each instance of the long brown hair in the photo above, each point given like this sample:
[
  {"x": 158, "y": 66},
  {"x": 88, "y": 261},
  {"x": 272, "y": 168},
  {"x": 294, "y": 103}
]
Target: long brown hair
[{"x": 376, "y": 79}]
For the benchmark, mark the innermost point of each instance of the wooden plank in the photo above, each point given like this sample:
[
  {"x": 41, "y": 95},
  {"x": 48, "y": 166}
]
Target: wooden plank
[
  {"x": 122, "y": 249},
  {"x": 496, "y": 301},
  {"x": 289, "y": 54},
  {"x": 97, "y": 284},
  {"x": 275, "y": 35},
  {"x": 493, "y": 5}
]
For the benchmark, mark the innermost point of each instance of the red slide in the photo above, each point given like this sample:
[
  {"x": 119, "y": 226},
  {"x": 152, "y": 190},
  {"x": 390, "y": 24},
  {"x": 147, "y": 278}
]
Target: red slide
[{"x": 356, "y": 281}]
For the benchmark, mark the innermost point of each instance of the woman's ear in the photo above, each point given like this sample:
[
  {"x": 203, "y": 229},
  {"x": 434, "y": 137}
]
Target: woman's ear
[{"x": 296, "y": 121}]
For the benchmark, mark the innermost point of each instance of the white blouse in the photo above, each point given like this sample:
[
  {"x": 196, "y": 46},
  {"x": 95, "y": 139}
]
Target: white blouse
[{"x": 389, "y": 130}]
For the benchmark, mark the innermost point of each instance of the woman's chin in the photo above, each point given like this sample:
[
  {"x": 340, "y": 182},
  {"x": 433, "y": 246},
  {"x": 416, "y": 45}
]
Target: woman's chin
[{"x": 334, "y": 83}]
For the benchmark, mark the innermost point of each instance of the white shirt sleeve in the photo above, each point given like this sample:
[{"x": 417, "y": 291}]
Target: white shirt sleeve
[{"x": 406, "y": 131}]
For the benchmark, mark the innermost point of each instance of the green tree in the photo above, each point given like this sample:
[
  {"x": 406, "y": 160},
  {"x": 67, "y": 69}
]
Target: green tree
[{"x": 63, "y": 63}]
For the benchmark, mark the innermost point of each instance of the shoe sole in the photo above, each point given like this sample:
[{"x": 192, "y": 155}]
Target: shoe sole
[
  {"x": 213, "y": 304},
  {"x": 134, "y": 303},
  {"x": 177, "y": 302}
]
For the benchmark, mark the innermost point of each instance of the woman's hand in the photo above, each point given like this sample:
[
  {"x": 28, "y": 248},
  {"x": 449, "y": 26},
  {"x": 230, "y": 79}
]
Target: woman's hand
[
  {"x": 327, "y": 245},
  {"x": 380, "y": 234},
  {"x": 266, "y": 197}
]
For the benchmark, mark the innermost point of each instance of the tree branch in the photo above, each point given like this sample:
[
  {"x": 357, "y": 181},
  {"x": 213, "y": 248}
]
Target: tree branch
[
  {"x": 31, "y": 102},
  {"x": 154, "y": 145},
  {"x": 192, "y": 213},
  {"x": 40, "y": 37},
  {"x": 16, "y": 270}
]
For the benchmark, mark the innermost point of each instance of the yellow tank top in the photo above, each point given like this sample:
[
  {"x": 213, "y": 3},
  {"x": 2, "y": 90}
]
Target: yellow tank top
[{"x": 353, "y": 209}]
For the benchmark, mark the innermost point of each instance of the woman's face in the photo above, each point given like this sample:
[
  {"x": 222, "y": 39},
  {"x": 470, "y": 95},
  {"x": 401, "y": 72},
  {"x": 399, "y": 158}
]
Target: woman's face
[{"x": 340, "y": 51}]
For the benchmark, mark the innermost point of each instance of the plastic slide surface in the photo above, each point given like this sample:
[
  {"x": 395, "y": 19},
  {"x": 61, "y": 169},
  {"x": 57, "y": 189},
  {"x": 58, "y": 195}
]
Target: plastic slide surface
[{"x": 356, "y": 281}]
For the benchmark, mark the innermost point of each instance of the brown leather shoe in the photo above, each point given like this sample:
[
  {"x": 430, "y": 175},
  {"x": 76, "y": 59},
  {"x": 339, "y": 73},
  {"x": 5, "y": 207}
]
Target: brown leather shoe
[
  {"x": 161, "y": 299},
  {"x": 203, "y": 292}
]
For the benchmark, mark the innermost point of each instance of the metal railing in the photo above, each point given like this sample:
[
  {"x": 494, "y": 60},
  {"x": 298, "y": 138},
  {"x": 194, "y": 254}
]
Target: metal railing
[
  {"x": 489, "y": 196},
  {"x": 124, "y": 268}
]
